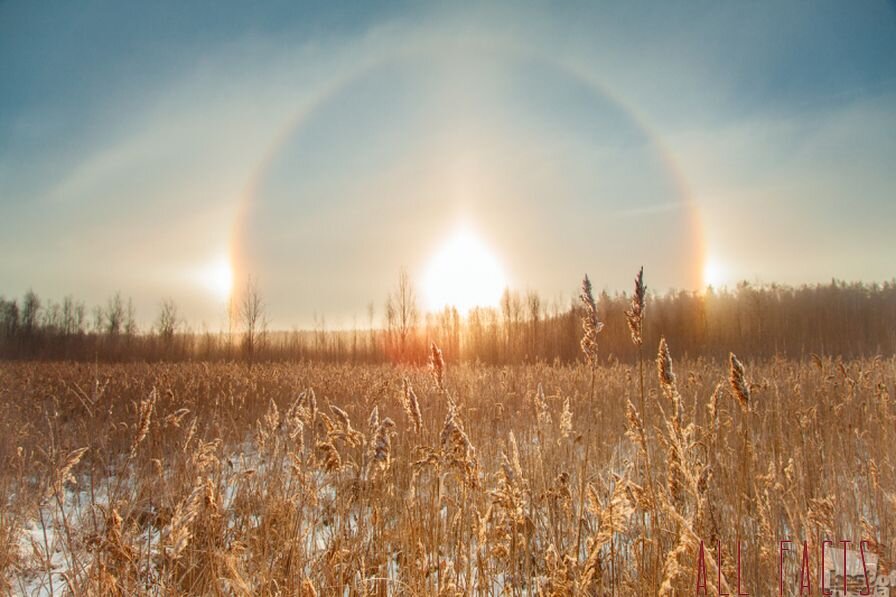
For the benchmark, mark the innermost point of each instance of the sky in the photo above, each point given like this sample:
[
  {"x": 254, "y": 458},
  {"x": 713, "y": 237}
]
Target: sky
[{"x": 173, "y": 149}]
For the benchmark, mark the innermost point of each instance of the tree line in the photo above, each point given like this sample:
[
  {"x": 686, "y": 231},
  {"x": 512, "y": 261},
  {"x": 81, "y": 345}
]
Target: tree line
[{"x": 837, "y": 318}]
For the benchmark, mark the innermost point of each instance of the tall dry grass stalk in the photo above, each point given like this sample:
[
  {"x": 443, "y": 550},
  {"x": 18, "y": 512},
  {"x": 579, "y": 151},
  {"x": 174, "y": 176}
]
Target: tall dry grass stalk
[
  {"x": 323, "y": 479},
  {"x": 591, "y": 324},
  {"x": 739, "y": 386},
  {"x": 634, "y": 315},
  {"x": 437, "y": 365}
]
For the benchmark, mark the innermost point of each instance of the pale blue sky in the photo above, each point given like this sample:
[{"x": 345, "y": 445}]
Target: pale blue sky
[{"x": 571, "y": 137}]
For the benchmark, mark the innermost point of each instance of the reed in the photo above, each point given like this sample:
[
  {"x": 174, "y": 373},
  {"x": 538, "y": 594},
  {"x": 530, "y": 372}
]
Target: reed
[{"x": 321, "y": 479}]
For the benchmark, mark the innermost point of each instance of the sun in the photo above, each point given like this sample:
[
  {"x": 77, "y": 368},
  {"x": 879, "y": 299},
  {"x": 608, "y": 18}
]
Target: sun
[
  {"x": 217, "y": 277},
  {"x": 714, "y": 273},
  {"x": 464, "y": 274}
]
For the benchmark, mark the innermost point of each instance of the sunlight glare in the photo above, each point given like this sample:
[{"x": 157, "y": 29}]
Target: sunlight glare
[
  {"x": 463, "y": 274},
  {"x": 714, "y": 273},
  {"x": 217, "y": 277}
]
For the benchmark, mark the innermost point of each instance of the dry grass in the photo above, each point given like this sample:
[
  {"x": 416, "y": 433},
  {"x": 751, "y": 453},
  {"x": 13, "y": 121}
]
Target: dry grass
[{"x": 326, "y": 479}]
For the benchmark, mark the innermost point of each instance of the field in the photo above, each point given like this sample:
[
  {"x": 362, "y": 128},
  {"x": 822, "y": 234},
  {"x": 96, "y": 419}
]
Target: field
[{"x": 310, "y": 479}]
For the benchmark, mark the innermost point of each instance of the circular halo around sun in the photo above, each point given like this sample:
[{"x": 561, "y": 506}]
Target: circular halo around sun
[{"x": 557, "y": 178}]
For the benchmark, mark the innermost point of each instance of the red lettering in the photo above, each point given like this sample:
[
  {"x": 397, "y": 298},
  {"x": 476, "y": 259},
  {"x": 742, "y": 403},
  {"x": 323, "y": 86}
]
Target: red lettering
[
  {"x": 824, "y": 590},
  {"x": 845, "y": 542},
  {"x": 701, "y": 571},
  {"x": 781, "y": 550},
  {"x": 867, "y": 589},
  {"x": 719, "y": 569},
  {"x": 805, "y": 573}
]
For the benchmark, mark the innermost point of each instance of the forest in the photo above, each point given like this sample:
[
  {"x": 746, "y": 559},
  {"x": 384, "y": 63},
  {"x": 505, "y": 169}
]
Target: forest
[{"x": 837, "y": 318}]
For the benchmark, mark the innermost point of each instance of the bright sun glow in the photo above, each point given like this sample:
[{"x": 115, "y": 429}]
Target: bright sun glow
[
  {"x": 463, "y": 274},
  {"x": 714, "y": 273},
  {"x": 217, "y": 277}
]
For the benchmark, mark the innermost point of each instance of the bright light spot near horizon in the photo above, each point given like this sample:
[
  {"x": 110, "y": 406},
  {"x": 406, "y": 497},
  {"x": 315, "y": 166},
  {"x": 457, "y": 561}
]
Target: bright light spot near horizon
[
  {"x": 217, "y": 277},
  {"x": 463, "y": 274},
  {"x": 714, "y": 273}
]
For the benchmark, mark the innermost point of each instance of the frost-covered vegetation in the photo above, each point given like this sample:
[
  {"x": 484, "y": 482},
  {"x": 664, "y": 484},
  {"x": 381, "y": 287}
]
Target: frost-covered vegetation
[{"x": 442, "y": 479}]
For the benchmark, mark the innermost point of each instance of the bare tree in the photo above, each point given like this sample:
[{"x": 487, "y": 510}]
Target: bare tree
[
  {"x": 254, "y": 322},
  {"x": 115, "y": 315},
  {"x": 130, "y": 321},
  {"x": 29, "y": 314},
  {"x": 9, "y": 318},
  {"x": 73, "y": 316},
  {"x": 98, "y": 324},
  {"x": 533, "y": 302},
  {"x": 166, "y": 323},
  {"x": 401, "y": 311},
  {"x": 232, "y": 315},
  {"x": 391, "y": 324},
  {"x": 512, "y": 316},
  {"x": 371, "y": 343}
]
